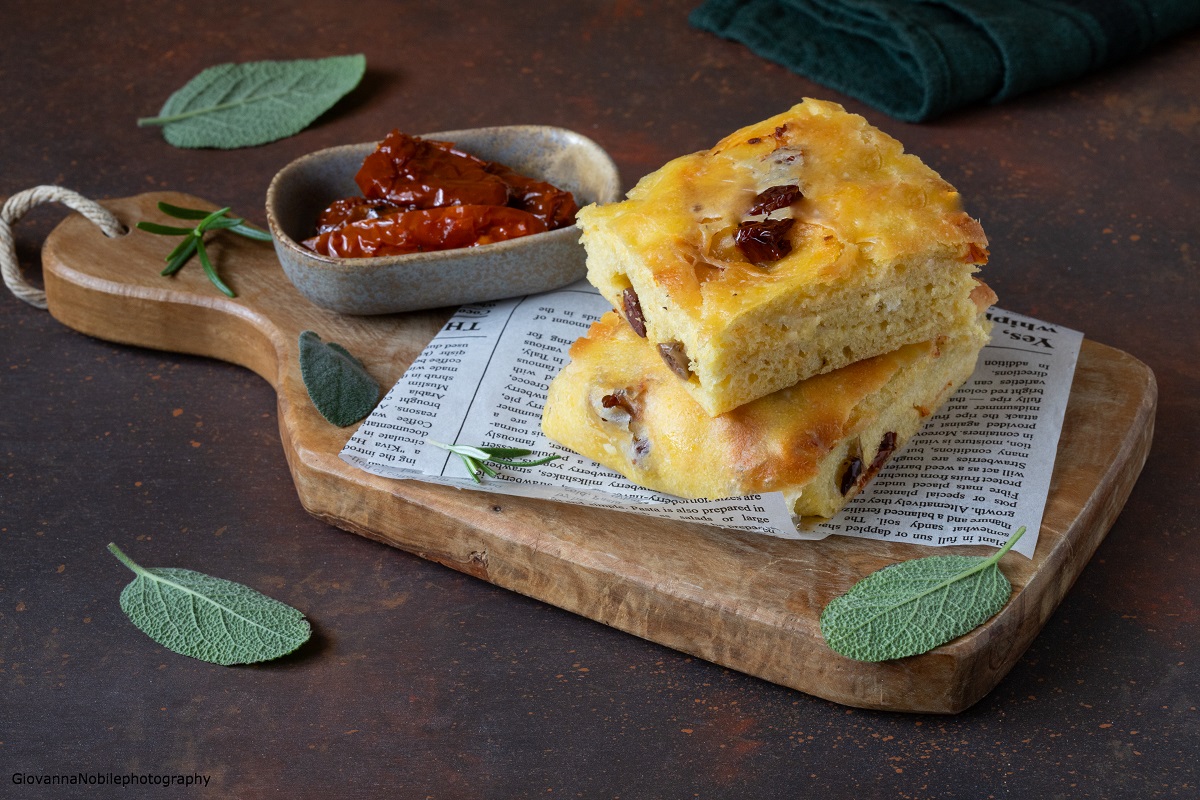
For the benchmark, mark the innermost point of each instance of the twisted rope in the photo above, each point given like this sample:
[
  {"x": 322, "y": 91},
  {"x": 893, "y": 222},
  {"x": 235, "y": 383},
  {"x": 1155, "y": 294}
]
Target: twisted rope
[{"x": 17, "y": 206}]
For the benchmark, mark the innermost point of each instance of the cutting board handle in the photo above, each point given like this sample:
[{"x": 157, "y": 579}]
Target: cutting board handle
[{"x": 17, "y": 206}]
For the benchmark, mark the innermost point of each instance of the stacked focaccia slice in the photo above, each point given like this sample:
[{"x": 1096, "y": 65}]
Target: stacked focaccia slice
[{"x": 790, "y": 305}]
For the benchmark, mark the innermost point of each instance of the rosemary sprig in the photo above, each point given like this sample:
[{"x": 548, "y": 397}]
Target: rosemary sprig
[
  {"x": 193, "y": 238},
  {"x": 476, "y": 458}
]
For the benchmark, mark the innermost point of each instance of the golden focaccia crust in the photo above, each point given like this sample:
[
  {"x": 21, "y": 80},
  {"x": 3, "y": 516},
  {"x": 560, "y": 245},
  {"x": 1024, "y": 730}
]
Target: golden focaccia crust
[
  {"x": 881, "y": 254},
  {"x": 818, "y": 442}
]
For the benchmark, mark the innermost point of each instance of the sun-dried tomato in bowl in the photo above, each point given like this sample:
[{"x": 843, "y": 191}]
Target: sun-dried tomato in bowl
[{"x": 421, "y": 195}]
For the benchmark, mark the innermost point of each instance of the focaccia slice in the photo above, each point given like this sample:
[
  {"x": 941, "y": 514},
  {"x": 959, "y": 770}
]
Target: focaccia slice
[
  {"x": 793, "y": 247},
  {"x": 818, "y": 442}
]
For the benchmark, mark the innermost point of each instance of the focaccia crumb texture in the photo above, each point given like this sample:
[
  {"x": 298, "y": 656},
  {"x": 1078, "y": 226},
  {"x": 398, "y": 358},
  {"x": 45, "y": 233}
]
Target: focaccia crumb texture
[{"x": 881, "y": 255}]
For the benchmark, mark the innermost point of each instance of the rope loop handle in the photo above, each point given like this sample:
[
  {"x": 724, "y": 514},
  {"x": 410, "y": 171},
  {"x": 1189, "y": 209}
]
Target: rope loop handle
[{"x": 17, "y": 206}]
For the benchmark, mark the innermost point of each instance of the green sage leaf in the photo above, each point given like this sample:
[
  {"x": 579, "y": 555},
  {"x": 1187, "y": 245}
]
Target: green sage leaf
[
  {"x": 337, "y": 382},
  {"x": 912, "y": 607},
  {"x": 241, "y": 105},
  {"x": 208, "y": 618}
]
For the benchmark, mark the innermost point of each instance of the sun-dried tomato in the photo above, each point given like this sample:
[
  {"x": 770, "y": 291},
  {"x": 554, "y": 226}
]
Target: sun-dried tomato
[
  {"x": 425, "y": 178},
  {"x": 423, "y": 230},
  {"x": 775, "y": 198},
  {"x": 352, "y": 209},
  {"x": 764, "y": 240},
  {"x": 411, "y": 172},
  {"x": 551, "y": 205},
  {"x": 619, "y": 399}
]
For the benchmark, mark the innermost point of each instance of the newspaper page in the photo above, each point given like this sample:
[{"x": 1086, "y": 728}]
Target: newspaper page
[{"x": 977, "y": 470}]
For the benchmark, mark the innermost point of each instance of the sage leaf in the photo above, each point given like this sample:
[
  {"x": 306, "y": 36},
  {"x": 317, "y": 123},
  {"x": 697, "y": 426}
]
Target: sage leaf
[
  {"x": 912, "y": 607},
  {"x": 337, "y": 382},
  {"x": 241, "y": 105},
  {"x": 208, "y": 618}
]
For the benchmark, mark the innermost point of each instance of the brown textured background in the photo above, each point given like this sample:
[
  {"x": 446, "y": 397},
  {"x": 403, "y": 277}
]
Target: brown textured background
[{"x": 425, "y": 682}]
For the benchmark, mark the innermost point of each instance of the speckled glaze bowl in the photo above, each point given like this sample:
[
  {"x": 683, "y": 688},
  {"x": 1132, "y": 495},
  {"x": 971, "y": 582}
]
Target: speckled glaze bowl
[{"x": 530, "y": 264}]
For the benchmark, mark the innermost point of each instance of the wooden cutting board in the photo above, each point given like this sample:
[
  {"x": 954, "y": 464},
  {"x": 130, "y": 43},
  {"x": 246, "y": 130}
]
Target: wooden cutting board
[{"x": 748, "y": 602}]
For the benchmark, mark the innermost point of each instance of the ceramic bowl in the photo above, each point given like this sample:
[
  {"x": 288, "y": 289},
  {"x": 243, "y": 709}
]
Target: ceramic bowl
[{"x": 384, "y": 285}]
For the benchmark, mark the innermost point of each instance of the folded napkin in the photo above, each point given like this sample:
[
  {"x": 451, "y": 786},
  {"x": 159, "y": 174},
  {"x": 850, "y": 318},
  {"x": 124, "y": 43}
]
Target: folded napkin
[{"x": 917, "y": 59}]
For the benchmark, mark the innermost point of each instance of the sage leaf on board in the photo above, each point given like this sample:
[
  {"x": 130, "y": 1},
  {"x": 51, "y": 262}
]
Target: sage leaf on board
[
  {"x": 241, "y": 105},
  {"x": 337, "y": 382},
  {"x": 208, "y": 618},
  {"x": 912, "y": 607}
]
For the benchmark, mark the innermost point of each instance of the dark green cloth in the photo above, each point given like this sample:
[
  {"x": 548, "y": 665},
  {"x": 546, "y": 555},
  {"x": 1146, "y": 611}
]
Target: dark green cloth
[{"x": 917, "y": 59}]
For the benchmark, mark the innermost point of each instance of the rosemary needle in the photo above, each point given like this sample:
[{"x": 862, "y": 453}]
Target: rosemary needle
[{"x": 476, "y": 458}]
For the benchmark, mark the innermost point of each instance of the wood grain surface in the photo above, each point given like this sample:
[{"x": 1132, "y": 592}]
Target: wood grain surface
[{"x": 745, "y": 601}]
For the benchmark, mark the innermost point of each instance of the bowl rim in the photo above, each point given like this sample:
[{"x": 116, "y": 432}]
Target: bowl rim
[{"x": 376, "y": 262}]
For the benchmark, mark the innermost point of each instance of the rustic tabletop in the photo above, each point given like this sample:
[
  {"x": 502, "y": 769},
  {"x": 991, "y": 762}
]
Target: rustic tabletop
[{"x": 426, "y": 682}]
